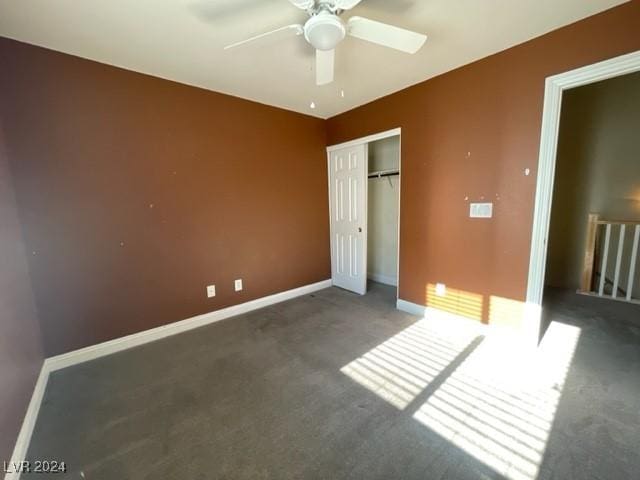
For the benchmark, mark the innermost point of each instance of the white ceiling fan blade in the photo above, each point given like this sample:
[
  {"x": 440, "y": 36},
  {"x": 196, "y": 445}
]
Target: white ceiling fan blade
[
  {"x": 325, "y": 61},
  {"x": 298, "y": 29},
  {"x": 302, "y": 4},
  {"x": 345, "y": 4},
  {"x": 385, "y": 35}
]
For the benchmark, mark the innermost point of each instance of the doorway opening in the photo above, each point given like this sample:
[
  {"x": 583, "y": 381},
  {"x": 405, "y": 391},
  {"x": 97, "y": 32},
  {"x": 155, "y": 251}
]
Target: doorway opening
[
  {"x": 595, "y": 216},
  {"x": 594, "y": 231},
  {"x": 555, "y": 89},
  {"x": 364, "y": 203},
  {"x": 383, "y": 210}
]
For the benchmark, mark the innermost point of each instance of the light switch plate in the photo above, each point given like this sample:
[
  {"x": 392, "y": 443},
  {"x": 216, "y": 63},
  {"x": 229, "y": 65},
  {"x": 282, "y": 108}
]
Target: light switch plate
[
  {"x": 481, "y": 210},
  {"x": 238, "y": 285},
  {"x": 211, "y": 291}
]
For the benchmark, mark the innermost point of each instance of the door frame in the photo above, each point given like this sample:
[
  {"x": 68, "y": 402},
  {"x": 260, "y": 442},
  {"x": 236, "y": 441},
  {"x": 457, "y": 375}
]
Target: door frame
[
  {"x": 554, "y": 88},
  {"x": 395, "y": 132}
]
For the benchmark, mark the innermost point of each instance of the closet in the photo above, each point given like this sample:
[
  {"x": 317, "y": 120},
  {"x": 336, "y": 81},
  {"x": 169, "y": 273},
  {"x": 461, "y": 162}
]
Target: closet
[
  {"x": 364, "y": 208},
  {"x": 383, "y": 209}
]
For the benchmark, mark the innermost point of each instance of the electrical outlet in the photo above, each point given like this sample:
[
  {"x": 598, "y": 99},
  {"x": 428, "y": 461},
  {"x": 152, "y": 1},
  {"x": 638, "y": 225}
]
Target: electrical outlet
[
  {"x": 211, "y": 291},
  {"x": 238, "y": 285},
  {"x": 441, "y": 289}
]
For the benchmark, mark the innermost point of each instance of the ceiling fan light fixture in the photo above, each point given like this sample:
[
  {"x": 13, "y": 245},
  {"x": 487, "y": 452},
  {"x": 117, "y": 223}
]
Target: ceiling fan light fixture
[{"x": 324, "y": 31}]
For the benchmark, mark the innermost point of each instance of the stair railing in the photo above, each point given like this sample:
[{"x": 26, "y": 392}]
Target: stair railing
[{"x": 604, "y": 250}]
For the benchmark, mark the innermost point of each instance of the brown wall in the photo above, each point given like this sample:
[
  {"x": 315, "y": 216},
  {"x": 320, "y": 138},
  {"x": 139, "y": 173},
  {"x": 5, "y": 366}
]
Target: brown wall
[
  {"x": 20, "y": 343},
  {"x": 492, "y": 110},
  {"x": 135, "y": 193}
]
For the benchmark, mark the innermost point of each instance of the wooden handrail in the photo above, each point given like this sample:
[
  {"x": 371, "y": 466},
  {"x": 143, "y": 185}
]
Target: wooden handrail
[{"x": 613, "y": 222}]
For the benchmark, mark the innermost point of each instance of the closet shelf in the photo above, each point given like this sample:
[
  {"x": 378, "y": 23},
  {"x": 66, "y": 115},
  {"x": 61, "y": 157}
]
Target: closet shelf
[{"x": 383, "y": 173}]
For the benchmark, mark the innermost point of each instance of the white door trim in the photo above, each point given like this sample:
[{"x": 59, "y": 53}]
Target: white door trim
[
  {"x": 554, "y": 88},
  {"x": 366, "y": 140}
]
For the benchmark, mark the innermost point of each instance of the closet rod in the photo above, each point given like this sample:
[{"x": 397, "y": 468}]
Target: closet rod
[{"x": 380, "y": 175}]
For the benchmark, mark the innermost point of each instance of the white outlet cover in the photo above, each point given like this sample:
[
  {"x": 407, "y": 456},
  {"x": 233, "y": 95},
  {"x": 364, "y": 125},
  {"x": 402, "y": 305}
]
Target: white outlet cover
[
  {"x": 238, "y": 285},
  {"x": 441, "y": 289},
  {"x": 481, "y": 210},
  {"x": 211, "y": 291}
]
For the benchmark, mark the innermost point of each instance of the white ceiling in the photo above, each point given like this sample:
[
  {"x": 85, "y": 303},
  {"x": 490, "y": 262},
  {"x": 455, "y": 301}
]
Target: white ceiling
[{"x": 183, "y": 40}]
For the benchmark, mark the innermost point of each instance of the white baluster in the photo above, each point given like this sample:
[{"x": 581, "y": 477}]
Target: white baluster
[
  {"x": 605, "y": 258},
  {"x": 632, "y": 266},
  {"x": 616, "y": 278}
]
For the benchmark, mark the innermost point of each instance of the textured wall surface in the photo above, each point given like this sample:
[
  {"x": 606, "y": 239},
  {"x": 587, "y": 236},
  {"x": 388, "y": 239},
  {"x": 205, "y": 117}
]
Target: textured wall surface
[
  {"x": 135, "y": 193},
  {"x": 20, "y": 342}
]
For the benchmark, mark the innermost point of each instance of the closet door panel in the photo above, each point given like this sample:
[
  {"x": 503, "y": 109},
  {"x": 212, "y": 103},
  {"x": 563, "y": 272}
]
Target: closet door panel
[{"x": 348, "y": 197}]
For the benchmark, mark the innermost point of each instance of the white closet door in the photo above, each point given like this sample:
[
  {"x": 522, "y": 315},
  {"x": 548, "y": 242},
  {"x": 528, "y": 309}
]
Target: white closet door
[{"x": 348, "y": 202}]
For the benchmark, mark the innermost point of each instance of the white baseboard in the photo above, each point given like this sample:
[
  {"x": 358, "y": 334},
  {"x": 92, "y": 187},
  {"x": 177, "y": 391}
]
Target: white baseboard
[
  {"x": 385, "y": 279},
  {"x": 412, "y": 308},
  {"x": 58, "y": 362},
  {"x": 24, "y": 436},
  {"x": 525, "y": 336},
  {"x": 146, "y": 336}
]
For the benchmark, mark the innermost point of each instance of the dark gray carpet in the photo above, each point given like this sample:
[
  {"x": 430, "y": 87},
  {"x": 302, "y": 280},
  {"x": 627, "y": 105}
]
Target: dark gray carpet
[
  {"x": 596, "y": 432},
  {"x": 337, "y": 386}
]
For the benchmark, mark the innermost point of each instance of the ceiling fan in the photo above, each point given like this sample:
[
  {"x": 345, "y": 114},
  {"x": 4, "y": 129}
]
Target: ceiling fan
[{"x": 324, "y": 30}]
